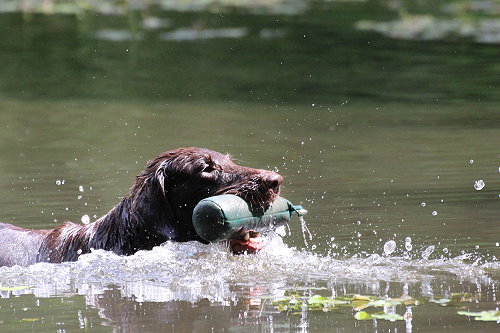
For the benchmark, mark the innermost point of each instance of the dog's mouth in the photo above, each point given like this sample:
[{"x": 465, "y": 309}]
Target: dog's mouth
[
  {"x": 251, "y": 242},
  {"x": 259, "y": 194}
]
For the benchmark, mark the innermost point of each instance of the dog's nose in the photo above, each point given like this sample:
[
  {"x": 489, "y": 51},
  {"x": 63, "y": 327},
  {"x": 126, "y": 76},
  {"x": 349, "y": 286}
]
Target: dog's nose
[{"x": 272, "y": 180}]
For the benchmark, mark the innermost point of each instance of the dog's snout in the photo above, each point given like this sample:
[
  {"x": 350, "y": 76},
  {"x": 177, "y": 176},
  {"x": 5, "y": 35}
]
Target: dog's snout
[{"x": 272, "y": 180}]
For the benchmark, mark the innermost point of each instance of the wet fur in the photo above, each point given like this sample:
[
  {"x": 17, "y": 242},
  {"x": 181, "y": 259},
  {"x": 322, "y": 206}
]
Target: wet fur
[{"x": 158, "y": 208}]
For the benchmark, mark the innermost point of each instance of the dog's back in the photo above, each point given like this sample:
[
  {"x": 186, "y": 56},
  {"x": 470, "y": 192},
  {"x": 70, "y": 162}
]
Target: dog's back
[{"x": 19, "y": 246}]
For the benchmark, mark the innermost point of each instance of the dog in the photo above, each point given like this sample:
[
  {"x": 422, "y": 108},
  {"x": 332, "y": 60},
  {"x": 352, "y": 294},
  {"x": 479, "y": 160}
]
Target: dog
[{"x": 158, "y": 208}]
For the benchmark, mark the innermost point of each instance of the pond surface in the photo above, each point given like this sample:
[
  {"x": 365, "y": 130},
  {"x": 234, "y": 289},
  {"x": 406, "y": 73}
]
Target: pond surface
[{"x": 392, "y": 147}]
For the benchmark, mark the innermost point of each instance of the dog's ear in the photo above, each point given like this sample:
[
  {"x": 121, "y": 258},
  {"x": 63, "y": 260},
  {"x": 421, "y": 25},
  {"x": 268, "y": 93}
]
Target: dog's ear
[
  {"x": 156, "y": 208},
  {"x": 161, "y": 174},
  {"x": 156, "y": 174}
]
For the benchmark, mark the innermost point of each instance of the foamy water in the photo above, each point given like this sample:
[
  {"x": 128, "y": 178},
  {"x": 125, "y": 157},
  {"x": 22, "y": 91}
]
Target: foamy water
[{"x": 193, "y": 271}]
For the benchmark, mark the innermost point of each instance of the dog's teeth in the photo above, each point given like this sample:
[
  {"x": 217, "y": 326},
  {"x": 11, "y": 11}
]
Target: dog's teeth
[{"x": 247, "y": 236}]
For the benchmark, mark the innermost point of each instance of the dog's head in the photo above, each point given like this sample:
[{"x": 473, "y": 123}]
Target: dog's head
[{"x": 184, "y": 176}]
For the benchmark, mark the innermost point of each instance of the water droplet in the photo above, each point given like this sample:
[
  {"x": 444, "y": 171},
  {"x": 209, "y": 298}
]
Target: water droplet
[
  {"x": 389, "y": 247},
  {"x": 281, "y": 231},
  {"x": 408, "y": 246},
  {"x": 85, "y": 219},
  {"x": 445, "y": 250},
  {"x": 497, "y": 243},
  {"x": 58, "y": 182},
  {"x": 80, "y": 188},
  {"x": 434, "y": 213},
  {"x": 428, "y": 251},
  {"x": 305, "y": 230},
  {"x": 471, "y": 161},
  {"x": 423, "y": 204},
  {"x": 408, "y": 240},
  {"x": 479, "y": 184}
]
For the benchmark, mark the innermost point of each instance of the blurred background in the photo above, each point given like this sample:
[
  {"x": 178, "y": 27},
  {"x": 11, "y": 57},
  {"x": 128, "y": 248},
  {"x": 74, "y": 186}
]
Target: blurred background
[{"x": 272, "y": 51}]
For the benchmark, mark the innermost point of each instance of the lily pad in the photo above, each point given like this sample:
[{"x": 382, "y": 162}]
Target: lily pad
[
  {"x": 30, "y": 319},
  {"x": 387, "y": 316},
  {"x": 359, "y": 305},
  {"x": 15, "y": 288},
  {"x": 491, "y": 315},
  {"x": 441, "y": 301},
  {"x": 363, "y": 315},
  {"x": 317, "y": 300}
]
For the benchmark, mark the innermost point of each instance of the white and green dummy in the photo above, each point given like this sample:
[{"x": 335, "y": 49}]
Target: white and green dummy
[{"x": 227, "y": 216}]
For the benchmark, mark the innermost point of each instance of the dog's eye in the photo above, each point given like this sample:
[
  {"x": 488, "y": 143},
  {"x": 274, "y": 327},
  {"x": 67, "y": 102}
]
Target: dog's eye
[{"x": 208, "y": 169}]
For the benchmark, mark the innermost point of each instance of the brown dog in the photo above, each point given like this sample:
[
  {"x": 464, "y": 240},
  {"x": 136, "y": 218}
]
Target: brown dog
[{"x": 158, "y": 208}]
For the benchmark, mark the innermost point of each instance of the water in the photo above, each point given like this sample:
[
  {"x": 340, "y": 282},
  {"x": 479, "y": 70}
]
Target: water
[
  {"x": 382, "y": 141},
  {"x": 306, "y": 233},
  {"x": 353, "y": 213},
  {"x": 479, "y": 184},
  {"x": 164, "y": 280},
  {"x": 389, "y": 247}
]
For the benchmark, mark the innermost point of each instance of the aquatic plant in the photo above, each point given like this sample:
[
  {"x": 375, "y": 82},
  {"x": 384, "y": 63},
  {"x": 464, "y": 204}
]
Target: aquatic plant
[
  {"x": 490, "y": 315},
  {"x": 367, "y": 307}
]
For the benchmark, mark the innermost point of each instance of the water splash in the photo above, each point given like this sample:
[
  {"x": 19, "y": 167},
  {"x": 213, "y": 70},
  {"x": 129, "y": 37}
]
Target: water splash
[
  {"x": 479, "y": 185},
  {"x": 389, "y": 247},
  {"x": 85, "y": 219},
  {"x": 305, "y": 231},
  {"x": 193, "y": 271},
  {"x": 408, "y": 245},
  {"x": 428, "y": 251}
]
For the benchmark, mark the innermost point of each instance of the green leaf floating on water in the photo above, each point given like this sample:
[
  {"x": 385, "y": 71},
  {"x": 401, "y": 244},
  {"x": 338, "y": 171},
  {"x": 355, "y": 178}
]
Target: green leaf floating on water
[
  {"x": 387, "y": 316},
  {"x": 491, "y": 315},
  {"x": 441, "y": 301},
  {"x": 317, "y": 300},
  {"x": 295, "y": 303},
  {"x": 15, "y": 288},
  {"x": 356, "y": 302},
  {"x": 30, "y": 319},
  {"x": 363, "y": 315}
]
